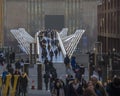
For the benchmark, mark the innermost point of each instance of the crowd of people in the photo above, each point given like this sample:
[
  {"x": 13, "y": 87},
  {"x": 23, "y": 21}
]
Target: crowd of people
[
  {"x": 21, "y": 80},
  {"x": 13, "y": 71},
  {"x": 49, "y": 44},
  {"x": 77, "y": 85},
  {"x": 72, "y": 86}
]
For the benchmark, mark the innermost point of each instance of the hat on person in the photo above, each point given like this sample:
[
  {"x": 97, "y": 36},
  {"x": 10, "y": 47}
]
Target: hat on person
[{"x": 94, "y": 76}]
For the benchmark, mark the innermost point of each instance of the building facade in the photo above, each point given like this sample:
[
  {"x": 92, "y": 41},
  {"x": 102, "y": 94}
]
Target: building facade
[
  {"x": 109, "y": 25},
  {"x": 34, "y": 15},
  {"x": 109, "y": 35},
  {"x": 1, "y": 23}
]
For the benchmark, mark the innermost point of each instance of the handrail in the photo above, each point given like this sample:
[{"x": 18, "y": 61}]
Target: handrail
[
  {"x": 61, "y": 45},
  {"x": 38, "y": 44},
  {"x": 72, "y": 41},
  {"x": 23, "y": 38}
]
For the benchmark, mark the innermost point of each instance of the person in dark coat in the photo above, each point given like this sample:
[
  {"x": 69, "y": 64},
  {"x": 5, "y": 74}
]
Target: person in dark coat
[
  {"x": 67, "y": 64},
  {"x": 56, "y": 53},
  {"x": 59, "y": 48},
  {"x": 46, "y": 60},
  {"x": 23, "y": 83},
  {"x": 66, "y": 60},
  {"x": 46, "y": 79},
  {"x": 49, "y": 47},
  {"x": 51, "y": 55},
  {"x": 82, "y": 69},
  {"x": 2, "y": 58},
  {"x": 113, "y": 88},
  {"x": 47, "y": 67},
  {"x": 44, "y": 53},
  {"x": 17, "y": 65},
  {"x": 76, "y": 88},
  {"x": 10, "y": 68}
]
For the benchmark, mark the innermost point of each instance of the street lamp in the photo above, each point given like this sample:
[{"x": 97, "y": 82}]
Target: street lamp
[
  {"x": 109, "y": 66},
  {"x": 113, "y": 50},
  {"x": 98, "y": 51}
]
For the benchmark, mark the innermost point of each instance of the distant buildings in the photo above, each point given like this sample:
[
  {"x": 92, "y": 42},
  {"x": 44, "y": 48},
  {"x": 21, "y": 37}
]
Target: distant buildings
[
  {"x": 109, "y": 25},
  {"x": 35, "y": 15}
]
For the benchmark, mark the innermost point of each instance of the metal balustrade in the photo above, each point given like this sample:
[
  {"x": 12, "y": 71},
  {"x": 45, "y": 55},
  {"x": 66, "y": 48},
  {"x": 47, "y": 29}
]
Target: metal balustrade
[
  {"x": 68, "y": 44},
  {"x": 23, "y": 38},
  {"x": 63, "y": 33}
]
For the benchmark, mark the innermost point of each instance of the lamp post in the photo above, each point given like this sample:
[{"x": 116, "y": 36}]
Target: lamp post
[
  {"x": 109, "y": 66},
  {"x": 98, "y": 51}
]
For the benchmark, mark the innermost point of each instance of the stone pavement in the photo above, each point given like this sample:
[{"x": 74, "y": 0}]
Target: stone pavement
[{"x": 38, "y": 93}]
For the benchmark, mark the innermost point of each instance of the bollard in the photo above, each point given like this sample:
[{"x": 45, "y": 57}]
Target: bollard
[{"x": 33, "y": 86}]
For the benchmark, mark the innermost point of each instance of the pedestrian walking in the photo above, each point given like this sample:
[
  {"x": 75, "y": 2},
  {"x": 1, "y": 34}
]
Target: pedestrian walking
[
  {"x": 113, "y": 88},
  {"x": 23, "y": 83},
  {"x": 46, "y": 79},
  {"x": 76, "y": 88},
  {"x": 2, "y": 59},
  {"x": 22, "y": 64},
  {"x": 59, "y": 49},
  {"x": 56, "y": 53},
  {"x": 17, "y": 65},
  {"x": 89, "y": 91},
  {"x": 73, "y": 63},
  {"x": 51, "y": 55},
  {"x": 66, "y": 60},
  {"x": 59, "y": 88},
  {"x": 4, "y": 74},
  {"x": 98, "y": 87}
]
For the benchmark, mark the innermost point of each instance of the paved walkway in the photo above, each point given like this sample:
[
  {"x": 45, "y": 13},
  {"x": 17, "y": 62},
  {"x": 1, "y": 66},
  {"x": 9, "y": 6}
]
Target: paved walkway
[{"x": 38, "y": 93}]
